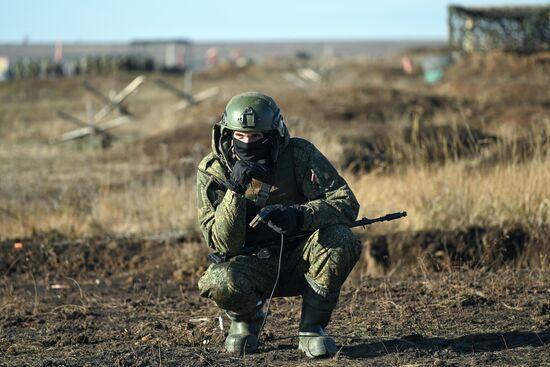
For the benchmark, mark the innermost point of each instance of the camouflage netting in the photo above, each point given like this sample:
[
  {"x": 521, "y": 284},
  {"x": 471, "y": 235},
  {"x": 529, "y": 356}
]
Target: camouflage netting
[{"x": 518, "y": 29}]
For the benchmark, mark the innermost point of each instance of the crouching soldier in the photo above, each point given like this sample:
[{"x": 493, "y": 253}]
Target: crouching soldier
[{"x": 255, "y": 164}]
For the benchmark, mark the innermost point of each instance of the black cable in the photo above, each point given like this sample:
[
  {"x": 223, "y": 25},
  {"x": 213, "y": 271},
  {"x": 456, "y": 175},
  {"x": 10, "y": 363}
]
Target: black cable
[{"x": 274, "y": 286}]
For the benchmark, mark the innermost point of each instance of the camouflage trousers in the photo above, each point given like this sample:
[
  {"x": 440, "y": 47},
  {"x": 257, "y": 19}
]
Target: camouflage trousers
[{"x": 324, "y": 260}]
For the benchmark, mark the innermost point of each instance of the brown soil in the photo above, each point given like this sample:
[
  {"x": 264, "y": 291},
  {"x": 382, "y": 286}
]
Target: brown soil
[{"x": 134, "y": 302}]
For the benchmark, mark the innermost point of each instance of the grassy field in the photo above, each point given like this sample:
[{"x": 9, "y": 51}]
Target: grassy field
[{"x": 450, "y": 157}]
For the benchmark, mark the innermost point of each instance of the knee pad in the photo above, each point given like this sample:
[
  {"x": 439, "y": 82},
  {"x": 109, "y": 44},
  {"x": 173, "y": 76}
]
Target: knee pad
[
  {"x": 340, "y": 238},
  {"x": 230, "y": 288}
]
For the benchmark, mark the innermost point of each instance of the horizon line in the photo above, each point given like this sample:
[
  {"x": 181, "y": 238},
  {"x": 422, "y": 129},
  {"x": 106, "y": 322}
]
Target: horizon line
[{"x": 226, "y": 41}]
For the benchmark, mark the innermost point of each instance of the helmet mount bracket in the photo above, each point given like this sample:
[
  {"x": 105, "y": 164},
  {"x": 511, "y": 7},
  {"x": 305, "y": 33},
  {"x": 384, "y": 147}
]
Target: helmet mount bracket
[{"x": 248, "y": 118}]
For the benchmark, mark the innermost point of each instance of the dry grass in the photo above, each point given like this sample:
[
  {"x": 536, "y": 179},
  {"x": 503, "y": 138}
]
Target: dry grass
[
  {"x": 445, "y": 197},
  {"x": 443, "y": 181},
  {"x": 50, "y": 189},
  {"x": 167, "y": 205},
  {"x": 455, "y": 195},
  {"x": 137, "y": 208}
]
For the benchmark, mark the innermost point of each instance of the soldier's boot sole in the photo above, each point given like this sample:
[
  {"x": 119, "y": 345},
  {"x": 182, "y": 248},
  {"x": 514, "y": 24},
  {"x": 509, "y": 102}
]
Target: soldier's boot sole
[{"x": 316, "y": 346}]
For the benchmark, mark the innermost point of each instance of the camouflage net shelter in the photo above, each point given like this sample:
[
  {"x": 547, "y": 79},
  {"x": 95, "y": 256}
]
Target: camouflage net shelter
[{"x": 517, "y": 29}]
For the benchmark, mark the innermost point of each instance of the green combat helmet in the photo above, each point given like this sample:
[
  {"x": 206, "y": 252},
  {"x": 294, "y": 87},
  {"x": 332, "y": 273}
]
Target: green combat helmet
[
  {"x": 252, "y": 111},
  {"x": 249, "y": 112}
]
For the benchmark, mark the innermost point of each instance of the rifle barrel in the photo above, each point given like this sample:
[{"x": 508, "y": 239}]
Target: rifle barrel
[
  {"x": 388, "y": 217},
  {"x": 218, "y": 257}
]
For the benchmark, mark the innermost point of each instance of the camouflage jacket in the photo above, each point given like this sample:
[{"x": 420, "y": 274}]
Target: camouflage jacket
[{"x": 301, "y": 176}]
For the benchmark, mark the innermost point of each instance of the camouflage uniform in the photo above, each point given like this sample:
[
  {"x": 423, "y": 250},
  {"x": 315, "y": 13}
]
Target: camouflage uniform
[
  {"x": 251, "y": 142},
  {"x": 324, "y": 259}
]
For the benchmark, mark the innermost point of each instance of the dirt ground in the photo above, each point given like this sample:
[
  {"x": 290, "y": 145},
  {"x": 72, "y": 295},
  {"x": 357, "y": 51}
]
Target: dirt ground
[{"x": 134, "y": 302}]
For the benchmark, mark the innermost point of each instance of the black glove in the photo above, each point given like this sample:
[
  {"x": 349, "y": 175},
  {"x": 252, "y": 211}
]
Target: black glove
[
  {"x": 286, "y": 219},
  {"x": 242, "y": 174}
]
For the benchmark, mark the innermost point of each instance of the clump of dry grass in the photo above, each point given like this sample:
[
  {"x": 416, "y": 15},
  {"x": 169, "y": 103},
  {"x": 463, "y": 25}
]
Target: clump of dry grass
[
  {"x": 166, "y": 205},
  {"x": 139, "y": 208},
  {"x": 456, "y": 195}
]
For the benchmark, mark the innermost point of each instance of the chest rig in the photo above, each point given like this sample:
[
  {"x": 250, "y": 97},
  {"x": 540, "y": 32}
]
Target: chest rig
[{"x": 281, "y": 187}]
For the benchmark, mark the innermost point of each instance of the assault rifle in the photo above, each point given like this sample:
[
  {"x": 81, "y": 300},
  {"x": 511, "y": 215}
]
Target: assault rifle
[{"x": 263, "y": 251}]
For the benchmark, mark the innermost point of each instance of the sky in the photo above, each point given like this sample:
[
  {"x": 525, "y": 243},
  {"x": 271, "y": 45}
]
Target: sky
[{"x": 230, "y": 20}]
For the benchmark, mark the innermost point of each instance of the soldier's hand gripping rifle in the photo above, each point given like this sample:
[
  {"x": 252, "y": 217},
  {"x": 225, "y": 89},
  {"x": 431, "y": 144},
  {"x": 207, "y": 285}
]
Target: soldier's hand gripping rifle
[{"x": 264, "y": 251}]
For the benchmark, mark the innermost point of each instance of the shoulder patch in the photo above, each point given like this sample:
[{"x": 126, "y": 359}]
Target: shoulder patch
[{"x": 302, "y": 151}]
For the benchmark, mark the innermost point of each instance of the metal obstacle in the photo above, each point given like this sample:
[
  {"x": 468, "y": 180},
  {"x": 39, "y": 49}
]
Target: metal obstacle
[
  {"x": 185, "y": 96},
  {"x": 303, "y": 77},
  {"x": 95, "y": 125}
]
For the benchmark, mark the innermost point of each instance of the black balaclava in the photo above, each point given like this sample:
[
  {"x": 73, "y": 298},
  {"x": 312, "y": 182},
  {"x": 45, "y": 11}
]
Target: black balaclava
[{"x": 259, "y": 150}]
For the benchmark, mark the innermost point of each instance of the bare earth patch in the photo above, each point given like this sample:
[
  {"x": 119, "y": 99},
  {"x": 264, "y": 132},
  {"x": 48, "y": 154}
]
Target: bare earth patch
[{"x": 135, "y": 303}]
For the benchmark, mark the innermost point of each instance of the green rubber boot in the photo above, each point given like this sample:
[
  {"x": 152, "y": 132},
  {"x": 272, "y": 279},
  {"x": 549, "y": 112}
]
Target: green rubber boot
[
  {"x": 243, "y": 333},
  {"x": 316, "y": 313}
]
